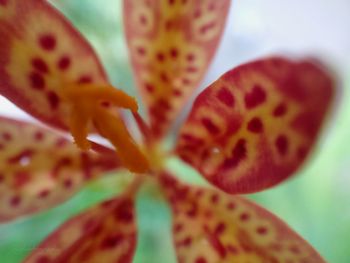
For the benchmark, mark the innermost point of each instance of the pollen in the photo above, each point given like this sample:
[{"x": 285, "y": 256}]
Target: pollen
[{"x": 88, "y": 107}]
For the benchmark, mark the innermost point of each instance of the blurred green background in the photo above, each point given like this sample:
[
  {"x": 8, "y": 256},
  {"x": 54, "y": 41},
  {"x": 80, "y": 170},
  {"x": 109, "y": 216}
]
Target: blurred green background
[{"x": 315, "y": 203}]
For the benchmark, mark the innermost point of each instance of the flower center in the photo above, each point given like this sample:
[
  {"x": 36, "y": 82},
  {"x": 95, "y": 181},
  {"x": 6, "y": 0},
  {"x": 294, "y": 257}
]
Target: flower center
[{"x": 90, "y": 104}]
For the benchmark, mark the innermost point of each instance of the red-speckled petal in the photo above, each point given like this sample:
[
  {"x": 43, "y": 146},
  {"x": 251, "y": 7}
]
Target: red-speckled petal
[
  {"x": 40, "y": 53},
  {"x": 40, "y": 169},
  {"x": 105, "y": 233},
  {"x": 171, "y": 44},
  {"x": 212, "y": 226},
  {"x": 254, "y": 126}
]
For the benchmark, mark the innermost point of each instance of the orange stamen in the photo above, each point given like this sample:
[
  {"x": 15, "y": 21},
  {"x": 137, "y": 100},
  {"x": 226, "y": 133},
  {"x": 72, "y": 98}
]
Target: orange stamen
[
  {"x": 112, "y": 128},
  {"x": 86, "y": 109}
]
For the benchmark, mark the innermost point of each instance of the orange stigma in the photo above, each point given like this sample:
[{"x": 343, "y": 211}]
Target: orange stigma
[{"x": 87, "y": 107}]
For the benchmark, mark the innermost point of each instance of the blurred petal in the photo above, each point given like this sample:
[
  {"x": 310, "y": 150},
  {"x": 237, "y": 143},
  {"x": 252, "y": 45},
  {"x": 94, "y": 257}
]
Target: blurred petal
[
  {"x": 211, "y": 226},
  {"x": 40, "y": 54},
  {"x": 40, "y": 169},
  {"x": 104, "y": 233},
  {"x": 254, "y": 126},
  {"x": 171, "y": 44}
]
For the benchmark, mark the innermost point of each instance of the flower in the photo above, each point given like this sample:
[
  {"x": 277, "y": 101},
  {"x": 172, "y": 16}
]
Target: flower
[{"x": 249, "y": 130}]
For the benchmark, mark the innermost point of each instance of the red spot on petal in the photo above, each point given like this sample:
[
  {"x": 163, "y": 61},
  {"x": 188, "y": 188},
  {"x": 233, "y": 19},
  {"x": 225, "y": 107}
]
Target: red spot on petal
[
  {"x": 3, "y": 2},
  {"x": 143, "y": 20},
  {"x": 232, "y": 249},
  {"x": 231, "y": 206},
  {"x": 197, "y": 13},
  {"x": 282, "y": 144},
  {"x": 191, "y": 69},
  {"x": 178, "y": 227},
  {"x": 158, "y": 115},
  {"x": 160, "y": 57},
  {"x": 64, "y": 63},
  {"x": 295, "y": 250},
  {"x": 261, "y": 230},
  {"x": 255, "y": 125},
  {"x": 164, "y": 104},
  {"x": 215, "y": 242},
  {"x": 67, "y": 183},
  {"x": 254, "y": 98},
  {"x": 6, "y": 136},
  {"x": 21, "y": 178},
  {"x": 141, "y": 51},
  {"x": 201, "y": 260},
  {"x": 61, "y": 142},
  {"x": 205, "y": 28},
  {"x": 164, "y": 77},
  {"x": 85, "y": 79},
  {"x": 199, "y": 193},
  {"x": 191, "y": 142},
  {"x": 124, "y": 212},
  {"x": 44, "y": 193},
  {"x": 40, "y": 65},
  {"x": 168, "y": 25},
  {"x": 192, "y": 212},
  {"x": 177, "y": 93},
  {"x": 37, "y": 81},
  {"x": 53, "y": 100},
  {"x": 220, "y": 228},
  {"x": 174, "y": 53},
  {"x": 187, "y": 241},
  {"x": 190, "y": 57},
  {"x": 280, "y": 110},
  {"x": 239, "y": 153},
  {"x": 186, "y": 81},
  {"x": 15, "y": 201},
  {"x": 211, "y": 7},
  {"x": 47, "y": 42},
  {"x": 214, "y": 198},
  {"x": 149, "y": 87},
  {"x": 210, "y": 126},
  {"x": 226, "y": 97},
  {"x": 111, "y": 241},
  {"x": 38, "y": 136},
  {"x": 244, "y": 217}
]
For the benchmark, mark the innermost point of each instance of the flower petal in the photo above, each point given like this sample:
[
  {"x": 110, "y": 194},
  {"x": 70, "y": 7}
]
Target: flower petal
[
  {"x": 40, "y": 169},
  {"x": 212, "y": 226},
  {"x": 104, "y": 233},
  {"x": 254, "y": 126},
  {"x": 171, "y": 44},
  {"x": 40, "y": 54}
]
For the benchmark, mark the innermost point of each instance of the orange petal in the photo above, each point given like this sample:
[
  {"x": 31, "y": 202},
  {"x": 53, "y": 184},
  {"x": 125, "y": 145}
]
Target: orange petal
[
  {"x": 211, "y": 226},
  {"x": 40, "y": 169},
  {"x": 171, "y": 44},
  {"x": 41, "y": 53},
  {"x": 254, "y": 126},
  {"x": 104, "y": 233}
]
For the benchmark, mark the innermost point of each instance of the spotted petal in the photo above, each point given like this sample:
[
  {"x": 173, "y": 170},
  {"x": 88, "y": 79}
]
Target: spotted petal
[
  {"x": 254, "y": 126},
  {"x": 40, "y": 169},
  {"x": 105, "y": 233},
  {"x": 171, "y": 44},
  {"x": 212, "y": 226},
  {"x": 40, "y": 54}
]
